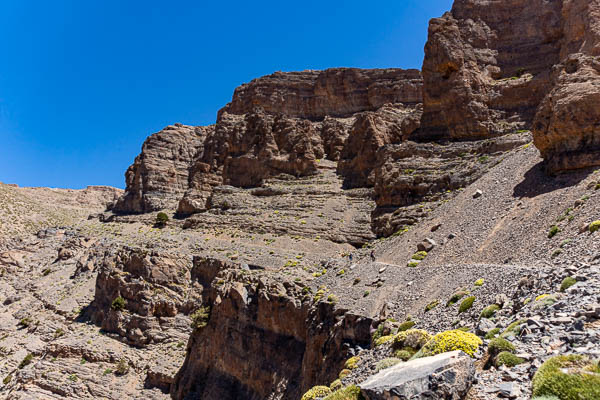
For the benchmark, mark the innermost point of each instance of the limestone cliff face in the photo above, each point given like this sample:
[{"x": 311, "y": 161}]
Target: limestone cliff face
[
  {"x": 487, "y": 65},
  {"x": 488, "y": 70},
  {"x": 283, "y": 123},
  {"x": 266, "y": 340},
  {"x": 339, "y": 92},
  {"x": 159, "y": 176}
]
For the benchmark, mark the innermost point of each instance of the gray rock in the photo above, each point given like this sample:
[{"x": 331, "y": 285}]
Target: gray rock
[
  {"x": 478, "y": 193},
  {"x": 445, "y": 376}
]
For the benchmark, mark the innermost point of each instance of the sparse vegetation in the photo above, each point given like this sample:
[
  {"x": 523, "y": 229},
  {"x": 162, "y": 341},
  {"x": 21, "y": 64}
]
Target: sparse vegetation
[
  {"x": 26, "y": 361},
  {"x": 316, "y": 392},
  {"x": 432, "y": 305},
  {"x": 348, "y": 393},
  {"x": 200, "y": 317},
  {"x": 456, "y": 297},
  {"x": 479, "y": 282},
  {"x": 387, "y": 363},
  {"x": 450, "y": 341},
  {"x": 352, "y": 362},
  {"x": 594, "y": 226},
  {"x": 466, "y": 304},
  {"x": 162, "y": 219},
  {"x": 553, "y": 231},
  {"x": 412, "y": 264},
  {"x": 498, "y": 345},
  {"x": 567, "y": 283},
  {"x": 508, "y": 359},
  {"x": 419, "y": 256},
  {"x": 568, "y": 377},
  {"x": 489, "y": 311},
  {"x": 122, "y": 367},
  {"x": 118, "y": 304}
]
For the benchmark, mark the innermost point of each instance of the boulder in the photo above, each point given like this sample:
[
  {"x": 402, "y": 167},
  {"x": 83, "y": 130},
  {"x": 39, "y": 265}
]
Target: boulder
[{"x": 447, "y": 376}]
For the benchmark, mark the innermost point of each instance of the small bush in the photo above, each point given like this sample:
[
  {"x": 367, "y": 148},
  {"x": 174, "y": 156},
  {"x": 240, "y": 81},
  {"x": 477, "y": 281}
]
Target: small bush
[
  {"x": 412, "y": 264},
  {"x": 508, "y": 359},
  {"x": 413, "y": 338},
  {"x": 432, "y": 305},
  {"x": 118, "y": 304},
  {"x": 492, "y": 333},
  {"x": 122, "y": 367},
  {"x": 387, "y": 363},
  {"x": 405, "y": 354},
  {"x": 489, "y": 311},
  {"x": 162, "y": 219},
  {"x": 383, "y": 340},
  {"x": 450, "y": 341},
  {"x": 200, "y": 317},
  {"x": 466, "y": 304},
  {"x": 594, "y": 226},
  {"x": 348, "y": 393},
  {"x": 570, "y": 377},
  {"x": 456, "y": 297},
  {"x": 344, "y": 373},
  {"x": 406, "y": 326},
  {"x": 335, "y": 385},
  {"x": 498, "y": 345},
  {"x": 553, "y": 231},
  {"x": 513, "y": 329},
  {"x": 316, "y": 392},
  {"x": 419, "y": 255},
  {"x": 352, "y": 362},
  {"x": 567, "y": 283},
  {"x": 7, "y": 379},
  {"x": 479, "y": 282},
  {"x": 26, "y": 361}
]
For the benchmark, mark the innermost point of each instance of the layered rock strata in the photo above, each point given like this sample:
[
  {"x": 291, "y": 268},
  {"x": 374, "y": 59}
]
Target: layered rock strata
[{"x": 238, "y": 354}]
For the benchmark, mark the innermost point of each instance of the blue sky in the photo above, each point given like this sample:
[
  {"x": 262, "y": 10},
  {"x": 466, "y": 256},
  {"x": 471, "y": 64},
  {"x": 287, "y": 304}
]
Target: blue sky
[{"x": 83, "y": 83}]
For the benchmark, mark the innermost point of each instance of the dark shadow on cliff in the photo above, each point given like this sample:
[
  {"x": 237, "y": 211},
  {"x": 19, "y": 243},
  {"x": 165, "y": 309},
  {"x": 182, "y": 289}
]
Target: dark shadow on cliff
[{"x": 537, "y": 181}]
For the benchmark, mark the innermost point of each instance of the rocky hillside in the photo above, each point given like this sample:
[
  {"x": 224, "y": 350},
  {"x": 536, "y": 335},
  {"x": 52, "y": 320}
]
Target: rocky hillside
[{"x": 338, "y": 234}]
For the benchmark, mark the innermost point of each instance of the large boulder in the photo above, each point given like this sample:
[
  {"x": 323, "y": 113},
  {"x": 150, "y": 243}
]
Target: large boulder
[{"x": 447, "y": 376}]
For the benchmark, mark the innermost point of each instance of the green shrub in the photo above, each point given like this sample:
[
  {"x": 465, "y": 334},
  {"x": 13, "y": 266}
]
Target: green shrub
[
  {"x": 489, "y": 311},
  {"x": 569, "y": 377},
  {"x": 466, "y": 304},
  {"x": 419, "y": 255},
  {"x": 413, "y": 338},
  {"x": 352, "y": 362},
  {"x": 498, "y": 345},
  {"x": 479, "y": 282},
  {"x": 122, "y": 367},
  {"x": 567, "y": 283},
  {"x": 412, "y": 264},
  {"x": 456, "y": 297},
  {"x": 406, "y": 326},
  {"x": 378, "y": 333},
  {"x": 348, "y": 393},
  {"x": 492, "y": 333},
  {"x": 118, "y": 304},
  {"x": 553, "y": 231},
  {"x": 335, "y": 385},
  {"x": 508, "y": 359},
  {"x": 450, "y": 341},
  {"x": 316, "y": 392},
  {"x": 344, "y": 373},
  {"x": 200, "y": 317},
  {"x": 387, "y": 363},
  {"x": 594, "y": 226},
  {"x": 513, "y": 329},
  {"x": 26, "y": 361},
  {"x": 161, "y": 218},
  {"x": 383, "y": 340},
  {"x": 405, "y": 354},
  {"x": 7, "y": 379},
  {"x": 432, "y": 305}
]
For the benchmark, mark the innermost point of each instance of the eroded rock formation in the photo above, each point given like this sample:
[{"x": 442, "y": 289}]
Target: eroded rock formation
[
  {"x": 239, "y": 353},
  {"x": 283, "y": 123}
]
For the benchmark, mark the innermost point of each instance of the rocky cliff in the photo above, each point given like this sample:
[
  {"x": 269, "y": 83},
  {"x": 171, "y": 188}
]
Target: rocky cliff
[
  {"x": 281, "y": 124},
  {"x": 489, "y": 69}
]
